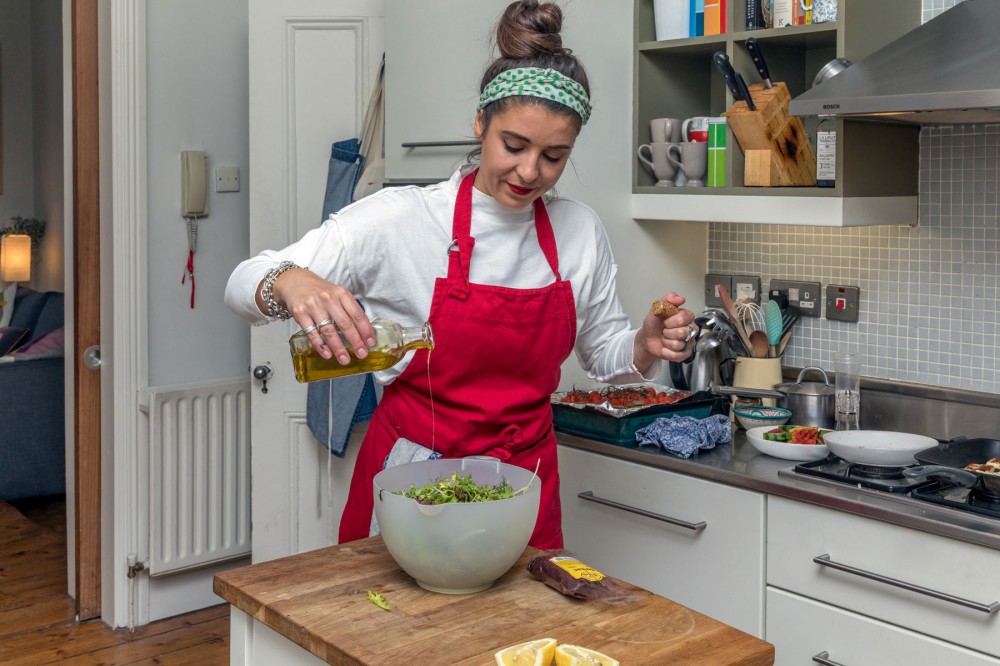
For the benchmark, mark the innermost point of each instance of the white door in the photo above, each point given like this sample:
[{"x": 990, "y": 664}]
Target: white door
[{"x": 312, "y": 65}]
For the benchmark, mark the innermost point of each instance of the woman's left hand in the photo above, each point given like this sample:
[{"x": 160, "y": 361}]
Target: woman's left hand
[{"x": 670, "y": 339}]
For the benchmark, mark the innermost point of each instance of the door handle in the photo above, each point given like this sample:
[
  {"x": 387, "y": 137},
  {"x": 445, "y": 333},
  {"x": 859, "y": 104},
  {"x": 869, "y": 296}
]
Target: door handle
[
  {"x": 92, "y": 357},
  {"x": 263, "y": 373}
]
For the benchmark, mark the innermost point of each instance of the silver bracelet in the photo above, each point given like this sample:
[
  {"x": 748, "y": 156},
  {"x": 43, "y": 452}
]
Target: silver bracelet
[{"x": 274, "y": 308}]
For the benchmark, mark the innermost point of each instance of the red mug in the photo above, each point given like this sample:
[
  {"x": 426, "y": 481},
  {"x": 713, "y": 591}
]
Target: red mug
[{"x": 695, "y": 129}]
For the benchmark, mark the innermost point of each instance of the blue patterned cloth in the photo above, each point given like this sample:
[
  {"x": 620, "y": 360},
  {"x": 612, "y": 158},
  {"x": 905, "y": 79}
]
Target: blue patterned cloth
[{"x": 685, "y": 435}]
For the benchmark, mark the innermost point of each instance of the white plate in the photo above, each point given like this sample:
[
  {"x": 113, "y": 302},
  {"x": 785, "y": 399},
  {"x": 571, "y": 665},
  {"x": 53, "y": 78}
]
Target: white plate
[
  {"x": 878, "y": 447},
  {"x": 784, "y": 449}
]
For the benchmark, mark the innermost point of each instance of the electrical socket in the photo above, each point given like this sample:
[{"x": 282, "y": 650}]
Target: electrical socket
[
  {"x": 711, "y": 291},
  {"x": 805, "y": 296},
  {"x": 746, "y": 286}
]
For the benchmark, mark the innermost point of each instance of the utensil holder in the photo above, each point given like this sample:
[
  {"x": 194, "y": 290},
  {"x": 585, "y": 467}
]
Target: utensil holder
[{"x": 775, "y": 145}]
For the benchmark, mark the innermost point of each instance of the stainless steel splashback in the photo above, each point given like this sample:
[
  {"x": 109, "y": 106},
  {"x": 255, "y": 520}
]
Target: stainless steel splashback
[{"x": 941, "y": 413}]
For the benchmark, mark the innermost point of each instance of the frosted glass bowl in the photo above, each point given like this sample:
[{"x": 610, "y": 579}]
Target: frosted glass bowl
[{"x": 456, "y": 548}]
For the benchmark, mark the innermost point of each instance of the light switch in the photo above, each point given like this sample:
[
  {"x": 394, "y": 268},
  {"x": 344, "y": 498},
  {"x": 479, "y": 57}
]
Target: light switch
[
  {"x": 227, "y": 179},
  {"x": 842, "y": 302}
]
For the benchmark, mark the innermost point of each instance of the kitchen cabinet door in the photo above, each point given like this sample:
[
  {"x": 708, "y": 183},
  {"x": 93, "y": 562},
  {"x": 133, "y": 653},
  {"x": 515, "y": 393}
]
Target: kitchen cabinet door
[
  {"x": 714, "y": 564},
  {"x": 435, "y": 56},
  {"x": 802, "y": 629},
  {"x": 953, "y": 593}
]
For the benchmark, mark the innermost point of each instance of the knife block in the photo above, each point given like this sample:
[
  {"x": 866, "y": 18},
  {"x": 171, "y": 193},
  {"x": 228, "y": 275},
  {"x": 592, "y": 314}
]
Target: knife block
[{"x": 775, "y": 146}]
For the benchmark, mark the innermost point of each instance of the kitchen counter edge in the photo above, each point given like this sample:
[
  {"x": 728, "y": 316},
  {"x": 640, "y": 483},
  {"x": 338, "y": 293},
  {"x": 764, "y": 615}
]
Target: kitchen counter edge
[{"x": 740, "y": 465}]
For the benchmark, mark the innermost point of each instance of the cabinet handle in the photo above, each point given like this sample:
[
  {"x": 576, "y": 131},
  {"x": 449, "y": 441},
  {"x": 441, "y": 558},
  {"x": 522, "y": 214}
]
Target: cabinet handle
[
  {"x": 438, "y": 144},
  {"x": 824, "y": 658},
  {"x": 591, "y": 497},
  {"x": 989, "y": 609}
]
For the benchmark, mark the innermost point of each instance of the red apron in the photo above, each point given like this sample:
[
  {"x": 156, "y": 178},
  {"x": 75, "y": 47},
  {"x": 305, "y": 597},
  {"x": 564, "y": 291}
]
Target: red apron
[{"x": 496, "y": 361}]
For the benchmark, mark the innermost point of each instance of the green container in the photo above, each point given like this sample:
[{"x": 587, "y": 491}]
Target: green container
[
  {"x": 716, "y": 152},
  {"x": 621, "y": 429}
]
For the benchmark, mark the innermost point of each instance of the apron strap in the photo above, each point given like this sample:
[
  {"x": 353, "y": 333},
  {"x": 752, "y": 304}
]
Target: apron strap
[{"x": 546, "y": 238}]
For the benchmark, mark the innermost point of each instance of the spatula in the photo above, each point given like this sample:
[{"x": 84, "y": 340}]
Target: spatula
[{"x": 772, "y": 320}]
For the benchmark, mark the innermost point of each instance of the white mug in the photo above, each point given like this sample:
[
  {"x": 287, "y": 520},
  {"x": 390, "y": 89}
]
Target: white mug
[
  {"x": 658, "y": 162},
  {"x": 665, "y": 130}
]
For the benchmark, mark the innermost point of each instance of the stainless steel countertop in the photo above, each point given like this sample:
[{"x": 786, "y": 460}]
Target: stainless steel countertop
[{"x": 740, "y": 464}]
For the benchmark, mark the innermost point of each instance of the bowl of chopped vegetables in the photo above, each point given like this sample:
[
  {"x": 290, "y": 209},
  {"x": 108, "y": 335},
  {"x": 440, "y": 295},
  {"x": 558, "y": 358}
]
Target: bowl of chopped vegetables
[
  {"x": 790, "y": 442},
  {"x": 456, "y": 525}
]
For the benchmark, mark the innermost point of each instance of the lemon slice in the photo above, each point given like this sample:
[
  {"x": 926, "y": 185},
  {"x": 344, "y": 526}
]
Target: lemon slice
[
  {"x": 574, "y": 655},
  {"x": 533, "y": 653}
]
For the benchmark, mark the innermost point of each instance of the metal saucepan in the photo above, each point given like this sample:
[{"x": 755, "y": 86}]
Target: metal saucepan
[
  {"x": 947, "y": 461},
  {"x": 881, "y": 448},
  {"x": 811, "y": 403}
]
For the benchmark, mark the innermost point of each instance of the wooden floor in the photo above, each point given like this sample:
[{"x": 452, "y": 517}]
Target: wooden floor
[{"x": 36, "y": 615}]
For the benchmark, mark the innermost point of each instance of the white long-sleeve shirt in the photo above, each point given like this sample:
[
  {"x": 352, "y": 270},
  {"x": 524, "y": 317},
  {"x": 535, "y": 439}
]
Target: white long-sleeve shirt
[{"x": 390, "y": 247}]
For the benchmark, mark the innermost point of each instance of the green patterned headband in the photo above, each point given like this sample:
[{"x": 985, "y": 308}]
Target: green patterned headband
[{"x": 538, "y": 82}]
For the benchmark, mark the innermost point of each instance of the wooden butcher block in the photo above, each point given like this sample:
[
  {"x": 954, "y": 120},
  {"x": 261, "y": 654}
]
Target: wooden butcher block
[{"x": 319, "y": 600}]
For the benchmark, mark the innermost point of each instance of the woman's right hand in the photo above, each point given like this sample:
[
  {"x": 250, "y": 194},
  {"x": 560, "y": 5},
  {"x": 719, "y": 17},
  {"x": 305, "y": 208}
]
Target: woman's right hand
[{"x": 323, "y": 308}]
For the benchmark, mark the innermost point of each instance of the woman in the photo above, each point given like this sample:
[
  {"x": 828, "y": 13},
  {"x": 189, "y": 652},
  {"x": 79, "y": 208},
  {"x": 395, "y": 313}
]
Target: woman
[{"x": 511, "y": 284}]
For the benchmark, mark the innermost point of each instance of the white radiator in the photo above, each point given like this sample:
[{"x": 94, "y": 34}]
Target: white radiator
[{"x": 199, "y": 474}]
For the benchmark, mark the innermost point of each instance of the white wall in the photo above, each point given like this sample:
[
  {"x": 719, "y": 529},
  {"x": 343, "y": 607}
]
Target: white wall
[
  {"x": 18, "y": 155},
  {"x": 652, "y": 257},
  {"x": 47, "y": 140},
  {"x": 196, "y": 100}
]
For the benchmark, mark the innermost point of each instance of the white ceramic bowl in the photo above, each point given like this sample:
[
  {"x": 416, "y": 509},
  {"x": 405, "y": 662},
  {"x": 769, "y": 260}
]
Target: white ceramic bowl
[
  {"x": 799, "y": 452},
  {"x": 753, "y": 416},
  {"x": 456, "y": 548},
  {"x": 878, "y": 447}
]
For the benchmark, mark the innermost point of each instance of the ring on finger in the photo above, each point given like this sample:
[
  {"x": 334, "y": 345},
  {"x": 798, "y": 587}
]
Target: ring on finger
[
  {"x": 692, "y": 331},
  {"x": 325, "y": 322},
  {"x": 309, "y": 329}
]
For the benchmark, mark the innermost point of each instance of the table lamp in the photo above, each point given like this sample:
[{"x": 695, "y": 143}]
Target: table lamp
[{"x": 15, "y": 258}]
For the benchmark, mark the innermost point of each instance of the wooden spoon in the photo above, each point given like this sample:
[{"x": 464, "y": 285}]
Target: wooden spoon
[
  {"x": 730, "y": 308},
  {"x": 759, "y": 344}
]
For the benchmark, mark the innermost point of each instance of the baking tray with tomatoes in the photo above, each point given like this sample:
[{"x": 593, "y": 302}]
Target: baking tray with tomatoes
[{"x": 613, "y": 414}]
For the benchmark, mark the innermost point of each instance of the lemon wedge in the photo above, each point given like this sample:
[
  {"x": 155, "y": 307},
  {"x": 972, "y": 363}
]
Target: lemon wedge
[
  {"x": 574, "y": 655},
  {"x": 533, "y": 653}
]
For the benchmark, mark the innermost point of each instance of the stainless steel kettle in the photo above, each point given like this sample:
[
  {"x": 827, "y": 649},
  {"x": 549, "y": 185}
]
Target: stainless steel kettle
[{"x": 701, "y": 369}]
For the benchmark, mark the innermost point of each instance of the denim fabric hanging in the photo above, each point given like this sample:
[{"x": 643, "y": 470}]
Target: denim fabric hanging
[{"x": 335, "y": 405}]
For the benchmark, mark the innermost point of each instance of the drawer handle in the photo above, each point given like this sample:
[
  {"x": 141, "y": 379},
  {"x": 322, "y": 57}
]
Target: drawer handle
[
  {"x": 824, "y": 658},
  {"x": 438, "y": 144},
  {"x": 591, "y": 497},
  {"x": 989, "y": 609}
]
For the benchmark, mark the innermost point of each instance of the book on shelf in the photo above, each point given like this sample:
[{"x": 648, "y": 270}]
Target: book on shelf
[
  {"x": 755, "y": 15},
  {"x": 697, "y": 18},
  {"x": 715, "y": 17}
]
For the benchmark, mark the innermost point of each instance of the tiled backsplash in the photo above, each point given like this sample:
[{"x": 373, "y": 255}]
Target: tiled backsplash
[{"x": 930, "y": 294}]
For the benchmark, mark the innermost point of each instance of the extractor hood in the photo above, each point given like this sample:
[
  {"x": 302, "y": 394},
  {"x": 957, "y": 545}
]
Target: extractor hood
[{"x": 947, "y": 71}]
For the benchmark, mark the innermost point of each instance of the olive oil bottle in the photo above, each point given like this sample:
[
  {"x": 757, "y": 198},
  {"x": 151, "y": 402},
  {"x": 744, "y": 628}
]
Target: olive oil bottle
[{"x": 392, "y": 341}]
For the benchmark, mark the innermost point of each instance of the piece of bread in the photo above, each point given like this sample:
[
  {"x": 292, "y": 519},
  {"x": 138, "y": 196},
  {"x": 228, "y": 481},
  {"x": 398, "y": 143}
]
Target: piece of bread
[{"x": 664, "y": 310}]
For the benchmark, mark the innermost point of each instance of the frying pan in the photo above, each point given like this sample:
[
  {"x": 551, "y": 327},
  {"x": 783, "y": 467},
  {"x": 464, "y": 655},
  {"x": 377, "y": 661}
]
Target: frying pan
[
  {"x": 947, "y": 460},
  {"x": 877, "y": 447}
]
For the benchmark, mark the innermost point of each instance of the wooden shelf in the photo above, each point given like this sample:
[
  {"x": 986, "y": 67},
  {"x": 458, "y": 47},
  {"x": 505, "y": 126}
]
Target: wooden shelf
[{"x": 877, "y": 163}]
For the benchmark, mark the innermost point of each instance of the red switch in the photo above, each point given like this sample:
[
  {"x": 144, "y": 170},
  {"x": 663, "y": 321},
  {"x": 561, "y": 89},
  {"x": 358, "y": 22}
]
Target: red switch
[{"x": 841, "y": 303}]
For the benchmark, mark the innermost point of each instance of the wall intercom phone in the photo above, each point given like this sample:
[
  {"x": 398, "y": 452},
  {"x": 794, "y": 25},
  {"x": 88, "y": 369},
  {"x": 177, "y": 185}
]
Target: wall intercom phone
[{"x": 194, "y": 183}]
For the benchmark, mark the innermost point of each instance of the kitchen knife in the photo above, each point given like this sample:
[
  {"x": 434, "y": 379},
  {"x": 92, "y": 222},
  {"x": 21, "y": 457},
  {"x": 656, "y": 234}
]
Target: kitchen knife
[
  {"x": 745, "y": 92},
  {"x": 725, "y": 67},
  {"x": 758, "y": 61}
]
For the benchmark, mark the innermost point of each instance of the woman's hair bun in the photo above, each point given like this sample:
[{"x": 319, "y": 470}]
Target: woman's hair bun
[{"x": 529, "y": 28}]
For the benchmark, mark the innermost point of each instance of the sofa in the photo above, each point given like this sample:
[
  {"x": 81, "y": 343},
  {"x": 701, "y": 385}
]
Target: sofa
[{"x": 32, "y": 395}]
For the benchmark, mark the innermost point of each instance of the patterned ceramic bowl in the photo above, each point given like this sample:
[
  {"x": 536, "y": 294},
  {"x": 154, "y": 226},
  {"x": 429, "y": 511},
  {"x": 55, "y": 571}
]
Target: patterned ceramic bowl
[{"x": 755, "y": 416}]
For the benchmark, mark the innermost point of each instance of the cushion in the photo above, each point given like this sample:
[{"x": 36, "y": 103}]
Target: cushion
[
  {"x": 10, "y": 338},
  {"x": 8, "y": 309},
  {"x": 29, "y": 305},
  {"x": 51, "y": 317},
  {"x": 50, "y": 345}
]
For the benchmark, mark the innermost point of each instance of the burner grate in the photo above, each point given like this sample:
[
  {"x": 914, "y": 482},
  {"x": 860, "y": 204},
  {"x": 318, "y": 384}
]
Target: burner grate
[{"x": 889, "y": 479}]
